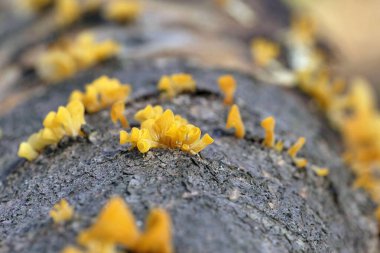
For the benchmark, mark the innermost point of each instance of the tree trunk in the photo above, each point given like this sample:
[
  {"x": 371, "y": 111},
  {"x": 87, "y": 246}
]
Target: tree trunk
[{"x": 235, "y": 196}]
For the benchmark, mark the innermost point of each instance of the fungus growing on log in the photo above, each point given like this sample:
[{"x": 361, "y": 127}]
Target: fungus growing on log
[
  {"x": 62, "y": 211},
  {"x": 64, "y": 60},
  {"x": 234, "y": 121},
  {"x": 115, "y": 226},
  {"x": 176, "y": 84},
  {"x": 264, "y": 51},
  {"x": 67, "y": 121},
  {"x": 227, "y": 85},
  {"x": 67, "y": 11},
  {"x": 293, "y": 150},
  {"x": 164, "y": 130},
  {"x": 117, "y": 114},
  {"x": 122, "y": 10},
  {"x": 101, "y": 93},
  {"x": 269, "y": 124}
]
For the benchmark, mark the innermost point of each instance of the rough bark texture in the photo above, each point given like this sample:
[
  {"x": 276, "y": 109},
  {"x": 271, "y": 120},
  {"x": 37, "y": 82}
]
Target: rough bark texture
[{"x": 236, "y": 196}]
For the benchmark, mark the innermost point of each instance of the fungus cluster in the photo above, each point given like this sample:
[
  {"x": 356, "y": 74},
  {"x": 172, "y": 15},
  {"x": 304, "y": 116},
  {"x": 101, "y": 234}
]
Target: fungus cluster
[
  {"x": 67, "y": 121},
  {"x": 115, "y": 228},
  {"x": 122, "y": 10},
  {"x": 264, "y": 51},
  {"x": 103, "y": 93},
  {"x": 176, "y": 84},
  {"x": 65, "y": 59},
  {"x": 227, "y": 85},
  {"x": 163, "y": 129},
  {"x": 66, "y": 12},
  {"x": 62, "y": 211}
]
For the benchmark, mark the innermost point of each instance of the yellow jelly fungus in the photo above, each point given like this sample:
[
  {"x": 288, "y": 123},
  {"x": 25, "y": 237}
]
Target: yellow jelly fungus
[
  {"x": 164, "y": 130},
  {"x": 64, "y": 60},
  {"x": 234, "y": 121},
  {"x": 62, "y": 211},
  {"x": 117, "y": 114},
  {"x": 264, "y": 51},
  {"x": 268, "y": 124},
  {"x": 157, "y": 237},
  {"x": 67, "y": 11},
  {"x": 149, "y": 112},
  {"x": 176, "y": 84},
  {"x": 66, "y": 121},
  {"x": 303, "y": 30},
  {"x": 101, "y": 93},
  {"x": 227, "y": 85},
  {"x": 322, "y": 172},
  {"x": 122, "y": 10},
  {"x": 293, "y": 150},
  {"x": 300, "y": 162},
  {"x": 279, "y": 146},
  {"x": 71, "y": 249},
  {"x": 114, "y": 225}
]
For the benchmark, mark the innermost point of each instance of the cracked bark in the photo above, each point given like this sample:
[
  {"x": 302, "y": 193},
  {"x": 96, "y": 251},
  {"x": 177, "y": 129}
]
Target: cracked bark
[{"x": 235, "y": 196}]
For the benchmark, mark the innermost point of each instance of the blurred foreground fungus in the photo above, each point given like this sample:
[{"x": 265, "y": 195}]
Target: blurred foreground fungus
[
  {"x": 234, "y": 121},
  {"x": 64, "y": 60},
  {"x": 116, "y": 228},
  {"x": 101, "y": 94},
  {"x": 122, "y": 10},
  {"x": 176, "y": 84},
  {"x": 117, "y": 114},
  {"x": 164, "y": 130},
  {"x": 62, "y": 211},
  {"x": 67, "y": 121},
  {"x": 269, "y": 124},
  {"x": 227, "y": 85},
  {"x": 264, "y": 51}
]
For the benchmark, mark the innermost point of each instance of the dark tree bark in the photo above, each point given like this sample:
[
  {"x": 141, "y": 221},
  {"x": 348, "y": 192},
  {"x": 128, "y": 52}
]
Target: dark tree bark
[{"x": 235, "y": 196}]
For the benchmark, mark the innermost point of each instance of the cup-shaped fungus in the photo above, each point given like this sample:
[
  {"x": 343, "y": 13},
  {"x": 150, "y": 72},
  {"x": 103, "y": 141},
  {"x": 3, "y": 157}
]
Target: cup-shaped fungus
[
  {"x": 164, "y": 130},
  {"x": 117, "y": 114},
  {"x": 264, "y": 51},
  {"x": 122, "y": 10},
  {"x": 67, "y": 11},
  {"x": 101, "y": 93},
  {"x": 67, "y": 121},
  {"x": 234, "y": 121},
  {"x": 293, "y": 150},
  {"x": 62, "y": 211},
  {"x": 176, "y": 84},
  {"x": 157, "y": 237},
  {"x": 227, "y": 85},
  {"x": 269, "y": 124},
  {"x": 115, "y": 225}
]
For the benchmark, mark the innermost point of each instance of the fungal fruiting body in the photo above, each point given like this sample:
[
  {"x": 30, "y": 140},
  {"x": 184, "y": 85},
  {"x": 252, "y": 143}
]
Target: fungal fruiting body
[
  {"x": 234, "y": 121},
  {"x": 117, "y": 114},
  {"x": 269, "y": 124},
  {"x": 65, "y": 59},
  {"x": 62, "y": 211},
  {"x": 293, "y": 150},
  {"x": 264, "y": 51},
  {"x": 67, "y": 121},
  {"x": 122, "y": 10},
  {"x": 176, "y": 84},
  {"x": 164, "y": 130},
  {"x": 303, "y": 30},
  {"x": 227, "y": 85},
  {"x": 67, "y": 11},
  {"x": 322, "y": 172},
  {"x": 101, "y": 93},
  {"x": 157, "y": 235},
  {"x": 116, "y": 227}
]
